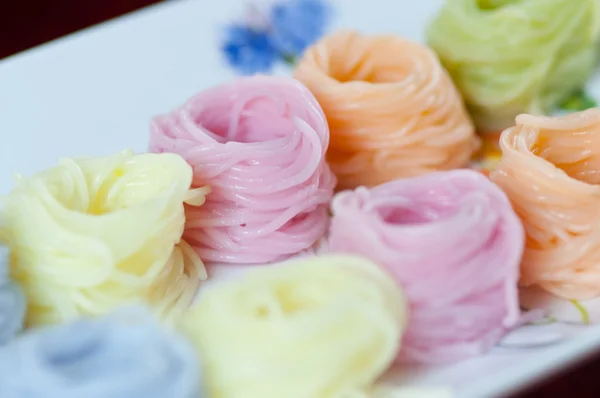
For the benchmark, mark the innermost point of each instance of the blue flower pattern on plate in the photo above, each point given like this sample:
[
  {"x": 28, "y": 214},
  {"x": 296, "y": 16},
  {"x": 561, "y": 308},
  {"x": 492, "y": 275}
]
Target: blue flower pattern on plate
[
  {"x": 249, "y": 50},
  {"x": 297, "y": 24},
  {"x": 279, "y": 34}
]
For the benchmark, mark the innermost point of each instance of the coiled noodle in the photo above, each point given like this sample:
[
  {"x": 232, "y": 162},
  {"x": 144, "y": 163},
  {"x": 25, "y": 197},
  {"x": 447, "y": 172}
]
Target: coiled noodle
[
  {"x": 392, "y": 109},
  {"x": 94, "y": 233},
  {"x": 549, "y": 169},
  {"x": 260, "y": 144},
  {"x": 124, "y": 355},
  {"x": 452, "y": 240},
  {"x": 322, "y": 327},
  {"x": 513, "y": 56}
]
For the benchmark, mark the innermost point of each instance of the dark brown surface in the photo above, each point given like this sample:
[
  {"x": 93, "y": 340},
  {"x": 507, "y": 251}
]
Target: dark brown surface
[
  {"x": 24, "y": 24},
  {"x": 581, "y": 381}
]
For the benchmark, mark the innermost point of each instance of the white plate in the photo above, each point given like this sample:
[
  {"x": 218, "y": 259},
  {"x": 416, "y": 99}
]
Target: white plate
[{"x": 93, "y": 93}]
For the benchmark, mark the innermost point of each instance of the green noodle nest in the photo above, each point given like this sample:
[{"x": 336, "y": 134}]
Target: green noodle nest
[{"x": 515, "y": 56}]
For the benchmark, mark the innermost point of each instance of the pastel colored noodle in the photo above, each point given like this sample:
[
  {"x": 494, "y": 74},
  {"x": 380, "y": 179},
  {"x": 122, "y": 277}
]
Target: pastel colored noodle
[
  {"x": 392, "y": 110},
  {"x": 322, "y": 327},
  {"x": 12, "y": 302},
  {"x": 453, "y": 242},
  {"x": 549, "y": 170},
  {"x": 93, "y": 233},
  {"x": 513, "y": 56},
  {"x": 124, "y": 355},
  {"x": 260, "y": 143}
]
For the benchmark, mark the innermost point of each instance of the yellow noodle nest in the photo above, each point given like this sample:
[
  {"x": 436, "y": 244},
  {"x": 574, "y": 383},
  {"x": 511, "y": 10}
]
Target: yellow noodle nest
[
  {"x": 321, "y": 327},
  {"x": 94, "y": 233}
]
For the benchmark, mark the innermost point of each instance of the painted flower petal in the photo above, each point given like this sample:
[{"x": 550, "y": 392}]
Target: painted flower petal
[
  {"x": 296, "y": 24},
  {"x": 247, "y": 50}
]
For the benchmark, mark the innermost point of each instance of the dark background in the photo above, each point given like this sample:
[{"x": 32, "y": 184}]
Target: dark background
[{"x": 24, "y": 24}]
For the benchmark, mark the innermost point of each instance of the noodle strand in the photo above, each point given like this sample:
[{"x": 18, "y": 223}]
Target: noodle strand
[
  {"x": 123, "y": 355},
  {"x": 259, "y": 143},
  {"x": 549, "y": 170},
  {"x": 392, "y": 109},
  {"x": 452, "y": 240},
  {"x": 325, "y": 326},
  {"x": 92, "y": 234},
  {"x": 508, "y": 57}
]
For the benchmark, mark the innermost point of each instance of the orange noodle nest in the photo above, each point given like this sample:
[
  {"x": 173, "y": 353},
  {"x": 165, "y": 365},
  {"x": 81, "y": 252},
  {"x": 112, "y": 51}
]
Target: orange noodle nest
[
  {"x": 393, "y": 111},
  {"x": 550, "y": 169}
]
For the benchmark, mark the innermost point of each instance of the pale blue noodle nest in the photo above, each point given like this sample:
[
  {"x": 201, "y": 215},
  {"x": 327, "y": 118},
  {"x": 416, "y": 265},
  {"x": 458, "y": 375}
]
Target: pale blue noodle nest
[
  {"x": 12, "y": 302},
  {"x": 125, "y": 355}
]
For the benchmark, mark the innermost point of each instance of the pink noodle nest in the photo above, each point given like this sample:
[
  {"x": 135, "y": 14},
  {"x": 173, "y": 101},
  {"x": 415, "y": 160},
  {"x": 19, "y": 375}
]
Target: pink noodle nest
[
  {"x": 260, "y": 143},
  {"x": 453, "y": 242}
]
